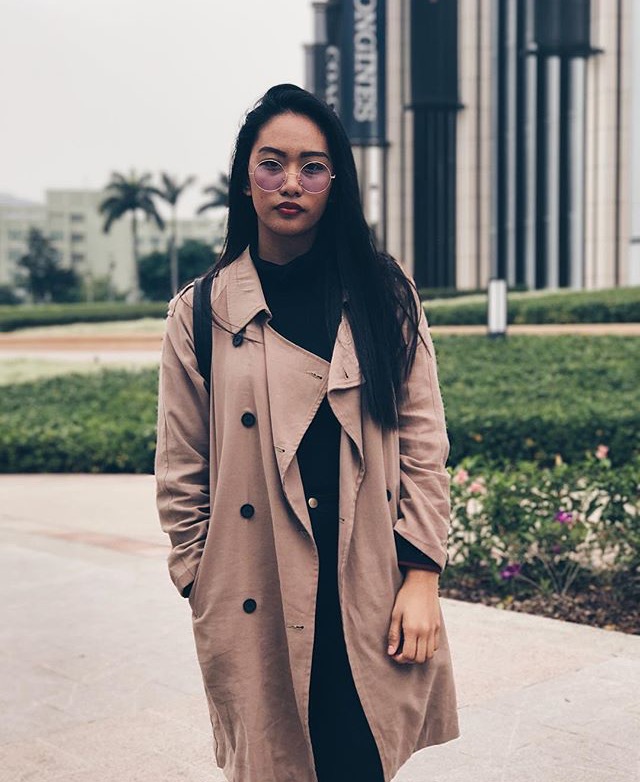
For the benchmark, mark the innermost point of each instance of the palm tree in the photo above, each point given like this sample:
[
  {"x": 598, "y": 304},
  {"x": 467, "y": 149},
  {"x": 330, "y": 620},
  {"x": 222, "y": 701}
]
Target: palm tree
[
  {"x": 219, "y": 192},
  {"x": 171, "y": 192},
  {"x": 129, "y": 195}
]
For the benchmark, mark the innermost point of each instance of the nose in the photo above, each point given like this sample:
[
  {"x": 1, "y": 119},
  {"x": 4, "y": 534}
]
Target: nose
[{"x": 287, "y": 187}]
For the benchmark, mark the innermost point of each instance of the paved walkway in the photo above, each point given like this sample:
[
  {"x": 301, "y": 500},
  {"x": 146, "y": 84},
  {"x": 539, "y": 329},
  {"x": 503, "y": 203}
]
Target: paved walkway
[{"x": 99, "y": 680}]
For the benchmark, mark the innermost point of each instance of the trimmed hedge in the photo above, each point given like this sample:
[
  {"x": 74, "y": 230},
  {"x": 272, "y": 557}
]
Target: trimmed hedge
[
  {"x": 523, "y": 398},
  {"x": 103, "y": 422},
  {"x": 14, "y": 317},
  {"x": 532, "y": 397},
  {"x": 613, "y": 305}
]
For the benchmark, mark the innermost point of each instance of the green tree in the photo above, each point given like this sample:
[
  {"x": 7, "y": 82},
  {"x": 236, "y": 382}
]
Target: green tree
[
  {"x": 194, "y": 258},
  {"x": 219, "y": 192},
  {"x": 45, "y": 279},
  {"x": 130, "y": 194},
  {"x": 171, "y": 192},
  {"x": 8, "y": 295}
]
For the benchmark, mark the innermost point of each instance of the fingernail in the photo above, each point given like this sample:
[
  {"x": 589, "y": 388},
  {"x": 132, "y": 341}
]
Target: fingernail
[{"x": 390, "y": 649}]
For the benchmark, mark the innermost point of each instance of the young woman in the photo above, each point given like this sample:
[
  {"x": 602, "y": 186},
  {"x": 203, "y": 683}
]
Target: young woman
[{"x": 306, "y": 496}]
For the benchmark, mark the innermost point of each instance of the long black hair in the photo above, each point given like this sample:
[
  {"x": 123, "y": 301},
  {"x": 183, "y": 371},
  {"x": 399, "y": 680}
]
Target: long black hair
[{"x": 382, "y": 300}]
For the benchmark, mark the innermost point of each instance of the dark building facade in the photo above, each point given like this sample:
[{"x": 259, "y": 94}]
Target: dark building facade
[{"x": 490, "y": 135}]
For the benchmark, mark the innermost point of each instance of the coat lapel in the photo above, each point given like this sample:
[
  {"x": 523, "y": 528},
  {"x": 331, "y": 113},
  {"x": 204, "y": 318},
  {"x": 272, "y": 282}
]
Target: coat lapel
[{"x": 297, "y": 381}]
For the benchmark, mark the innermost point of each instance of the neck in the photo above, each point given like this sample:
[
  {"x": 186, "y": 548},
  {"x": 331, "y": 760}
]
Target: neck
[{"x": 282, "y": 249}]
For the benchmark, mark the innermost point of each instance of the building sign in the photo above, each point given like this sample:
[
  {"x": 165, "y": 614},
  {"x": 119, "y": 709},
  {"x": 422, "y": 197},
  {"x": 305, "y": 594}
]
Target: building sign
[
  {"x": 362, "y": 70},
  {"x": 332, "y": 76},
  {"x": 346, "y": 66}
]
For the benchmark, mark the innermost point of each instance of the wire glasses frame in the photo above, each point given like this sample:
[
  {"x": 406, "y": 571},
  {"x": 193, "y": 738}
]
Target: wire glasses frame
[{"x": 272, "y": 172}]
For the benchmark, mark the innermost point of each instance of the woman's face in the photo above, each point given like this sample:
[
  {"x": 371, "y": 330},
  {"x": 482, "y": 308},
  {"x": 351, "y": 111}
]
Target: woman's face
[{"x": 289, "y": 212}]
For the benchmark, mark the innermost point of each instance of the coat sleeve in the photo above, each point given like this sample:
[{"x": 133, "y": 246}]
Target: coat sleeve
[
  {"x": 424, "y": 505},
  {"x": 410, "y": 556},
  {"x": 182, "y": 445}
]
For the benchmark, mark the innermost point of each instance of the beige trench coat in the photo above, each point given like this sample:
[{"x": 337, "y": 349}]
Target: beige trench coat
[{"x": 239, "y": 525}]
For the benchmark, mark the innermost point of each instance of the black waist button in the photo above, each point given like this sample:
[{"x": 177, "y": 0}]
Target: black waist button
[
  {"x": 249, "y": 605},
  {"x": 237, "y": 339},
  {"x": 248, "y": 419},
  {"x": 247, "y": 511}
]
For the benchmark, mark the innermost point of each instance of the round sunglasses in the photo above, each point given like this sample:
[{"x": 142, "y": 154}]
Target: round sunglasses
[{"x": 314, "y": 177}]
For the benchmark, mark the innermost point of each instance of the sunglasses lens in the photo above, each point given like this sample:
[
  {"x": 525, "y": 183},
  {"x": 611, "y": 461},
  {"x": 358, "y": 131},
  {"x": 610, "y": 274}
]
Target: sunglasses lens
[
  {"x": 269, "y": 175},
  {"x": 315, "y": 177}
]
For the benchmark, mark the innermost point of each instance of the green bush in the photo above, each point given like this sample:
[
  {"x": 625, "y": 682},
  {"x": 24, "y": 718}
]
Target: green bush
[
  {"x": 105, "y": 422},
  {"x": 24, "y": 315},
  {"x": 530, "y": 397},
  {"x": 523, "y": 398},
  {"x": 614, "y": 305},
  {"x": 528, "y": 530}
]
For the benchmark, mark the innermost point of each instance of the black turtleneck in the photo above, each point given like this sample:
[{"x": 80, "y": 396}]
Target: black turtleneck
[{"x": 295, "y": 294}]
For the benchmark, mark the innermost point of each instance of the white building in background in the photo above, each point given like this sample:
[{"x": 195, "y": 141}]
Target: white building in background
[
  {"x": 70, "y": 218},
  {"x": 16, "y": 215}
]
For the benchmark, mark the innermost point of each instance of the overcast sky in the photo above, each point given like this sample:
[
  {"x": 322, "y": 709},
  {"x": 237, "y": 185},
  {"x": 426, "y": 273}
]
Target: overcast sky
[{"x": 89, "y": 86}]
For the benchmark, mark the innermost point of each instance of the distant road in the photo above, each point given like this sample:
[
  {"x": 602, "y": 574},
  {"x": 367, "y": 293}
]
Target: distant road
[
  {"x": 16, "y": 341},
  {"x": 146, "y": 347}
]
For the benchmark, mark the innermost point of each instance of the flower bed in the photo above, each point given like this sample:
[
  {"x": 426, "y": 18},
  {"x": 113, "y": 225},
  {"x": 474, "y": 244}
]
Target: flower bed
[{"x": 564, "y": 540}]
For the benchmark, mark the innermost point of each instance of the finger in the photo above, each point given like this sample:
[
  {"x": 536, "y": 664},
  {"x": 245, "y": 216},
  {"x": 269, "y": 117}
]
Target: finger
[
  {"x": 421, "y": 649},
  {"x": 393, "y": 636},
  {"x": 409, "y": 647},
  {"x": 430, "y": 645}
]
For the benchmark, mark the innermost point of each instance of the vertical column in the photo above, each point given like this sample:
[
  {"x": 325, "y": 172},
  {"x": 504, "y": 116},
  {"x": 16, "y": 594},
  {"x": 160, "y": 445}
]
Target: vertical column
[
  {"x": 509, "y": 141},
  {"x": 494, "y": 232},
  {"x": 530, "y": 158},
  {"x": 551, "y": 214},
  {"x": 576, "y": 133},
  {"x": 399, "y": 154}
]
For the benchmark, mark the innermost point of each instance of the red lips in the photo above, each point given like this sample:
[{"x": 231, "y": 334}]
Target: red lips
[{"x": 289, "y": 208}]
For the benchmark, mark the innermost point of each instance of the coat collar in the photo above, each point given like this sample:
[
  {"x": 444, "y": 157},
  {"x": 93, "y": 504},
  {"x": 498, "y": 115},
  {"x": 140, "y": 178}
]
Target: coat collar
[{"x": 245, "y": 295}]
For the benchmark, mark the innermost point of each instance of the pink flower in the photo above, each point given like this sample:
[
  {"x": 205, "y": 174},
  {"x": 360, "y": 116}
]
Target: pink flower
[
  {"x": 602, "y": 451},
  {"x": 563, "y": 517},
  {"x": 556, "y": 548},
  {"x": 461, "y": 476},
  {"x": 510, "y": 571},
  {"x": 477, "y": 486}
]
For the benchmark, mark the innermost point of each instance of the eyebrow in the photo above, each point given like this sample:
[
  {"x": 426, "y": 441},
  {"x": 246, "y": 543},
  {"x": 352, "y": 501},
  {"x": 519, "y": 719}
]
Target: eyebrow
[{"x": 280, "y": 153}]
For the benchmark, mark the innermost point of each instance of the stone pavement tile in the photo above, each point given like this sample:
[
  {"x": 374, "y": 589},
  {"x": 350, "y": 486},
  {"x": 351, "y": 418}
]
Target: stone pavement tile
[
  {"x": 507, "y": 650},
  {"x": 140, "y": 747},
  {"x": 470, "y": 771},
  {"x": 433, "y": 763},
  {"x": 84, "y": 502},
  {"x": 586, "y": 696},
  {"x": 37, "y": 760}
]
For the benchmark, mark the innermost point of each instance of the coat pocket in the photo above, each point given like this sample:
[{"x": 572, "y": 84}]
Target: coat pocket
[{"x": 194, "y": 590}]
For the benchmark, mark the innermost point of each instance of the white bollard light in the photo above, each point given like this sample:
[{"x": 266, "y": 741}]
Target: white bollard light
[{"x": 497, "y": 308}]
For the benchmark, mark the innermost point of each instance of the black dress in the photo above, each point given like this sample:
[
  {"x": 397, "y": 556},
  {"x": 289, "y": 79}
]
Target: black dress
[{"x": 343, "y": 745}]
